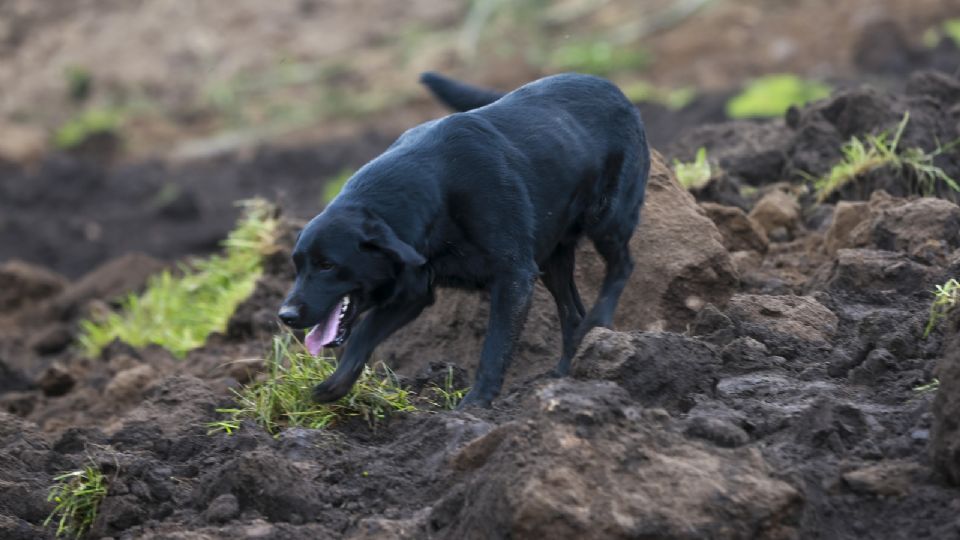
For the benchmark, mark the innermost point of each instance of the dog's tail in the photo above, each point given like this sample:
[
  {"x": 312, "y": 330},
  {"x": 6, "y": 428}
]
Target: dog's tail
[{"x": 457, "y": 95}]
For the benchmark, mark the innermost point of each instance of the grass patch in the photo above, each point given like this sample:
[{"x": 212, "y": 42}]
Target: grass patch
[
  {"x": 695, "y": 174},
  {"x": 949, "y": 29},
  {"x": 178, "y": 312},
  {"x": 643, "y": 91},
  {"x": 931, "y": 386},
  {"x": 448, "y": 396},
  {"x": 875, "y": 151},
  {"x": 335, "y": 185},
  {"x": 283, "y": 398},
  {"x": 597, "y": 58},
  {"x": 773, "y": 95},
  {"x": 87, "y": 124},
  {"x": 946, "y": 298},
  {"x": 77, "y": 495}
]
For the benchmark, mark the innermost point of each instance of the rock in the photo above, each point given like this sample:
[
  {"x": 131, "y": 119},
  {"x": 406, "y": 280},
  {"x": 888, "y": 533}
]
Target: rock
[
  {"x": 657, "y": 369},
  {"x": 874, "y": 276},
  {"x": 909, "y": 225},
  {"x": 887, "y": 478},
  {"x": 877, "y": 362},
  {"x": 777, "y": 210},
  {"x": 128, "y": 385},
  {"x": 945, "y": 434},
  {"x": 22, "y": 283},
  {"x": 719, "y": 431},
  {"x": 380, "y": 528},
  {"x": 681, "y": 266},
  {"x": 746, "y": 354},
  {"x": 56, "y": 380},
  {"x": 222, "y": 509},
  {"x": 12, "y": 378},
  {"x": 740, "y": 232},
  {"x": 109, "y": 281},
  {"x": 785, "y": 324},
  {"x": 52, "y": 339},
  {"x": 583, "y": 463},
  {"x": 846, "y": 217}
]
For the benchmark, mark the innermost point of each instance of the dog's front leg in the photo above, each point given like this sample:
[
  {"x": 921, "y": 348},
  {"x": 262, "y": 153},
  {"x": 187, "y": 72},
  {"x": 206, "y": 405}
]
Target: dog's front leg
[
  {"x": 377, "y": 326},
  {"x": 510, "y": 299}
]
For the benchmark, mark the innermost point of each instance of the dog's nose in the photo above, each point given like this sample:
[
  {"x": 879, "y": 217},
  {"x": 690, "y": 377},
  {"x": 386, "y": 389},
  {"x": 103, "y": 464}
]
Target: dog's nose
[{"x": 289, "y": 314}]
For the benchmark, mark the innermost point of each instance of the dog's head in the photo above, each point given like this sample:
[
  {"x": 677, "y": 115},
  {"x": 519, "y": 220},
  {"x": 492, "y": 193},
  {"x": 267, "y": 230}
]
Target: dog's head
[{"x": 347, "y": 260}]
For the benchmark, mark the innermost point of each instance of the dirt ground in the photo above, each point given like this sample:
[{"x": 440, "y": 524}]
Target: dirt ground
[{"x": 762, "y": 381}]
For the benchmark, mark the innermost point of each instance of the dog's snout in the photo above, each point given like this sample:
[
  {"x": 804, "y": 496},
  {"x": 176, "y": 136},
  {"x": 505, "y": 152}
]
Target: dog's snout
[{"x": 289, "y": 314}]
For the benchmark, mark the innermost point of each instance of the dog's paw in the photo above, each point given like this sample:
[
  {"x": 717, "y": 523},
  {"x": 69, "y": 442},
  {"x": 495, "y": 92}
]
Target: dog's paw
[
  {"x": 327, "y": 392},
  {"x": 474, "y": 401}
]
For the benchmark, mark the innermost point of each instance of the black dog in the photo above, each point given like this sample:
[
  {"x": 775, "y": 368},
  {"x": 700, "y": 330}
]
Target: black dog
[{"x": 487, "y": 199}]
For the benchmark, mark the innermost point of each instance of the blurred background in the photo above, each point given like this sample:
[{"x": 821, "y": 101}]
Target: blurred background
[{"x": 135, "y": 125}]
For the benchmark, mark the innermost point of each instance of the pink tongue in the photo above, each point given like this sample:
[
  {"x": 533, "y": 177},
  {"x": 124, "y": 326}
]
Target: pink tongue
[{"x": 324, "y": 333}]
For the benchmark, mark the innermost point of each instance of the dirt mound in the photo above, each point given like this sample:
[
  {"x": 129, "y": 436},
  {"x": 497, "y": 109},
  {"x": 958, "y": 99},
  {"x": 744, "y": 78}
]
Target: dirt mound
[
  {"x": 586, "y": 462},
  {"x": 946, "y": 408}
]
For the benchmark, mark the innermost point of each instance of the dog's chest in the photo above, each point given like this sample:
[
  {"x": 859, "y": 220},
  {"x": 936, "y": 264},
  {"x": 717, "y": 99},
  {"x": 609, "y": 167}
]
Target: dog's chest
[{"x": 463, "y": 269}]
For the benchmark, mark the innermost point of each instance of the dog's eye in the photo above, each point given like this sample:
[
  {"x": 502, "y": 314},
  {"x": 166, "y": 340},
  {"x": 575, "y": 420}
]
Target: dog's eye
[{"x": 325, "y": 265}]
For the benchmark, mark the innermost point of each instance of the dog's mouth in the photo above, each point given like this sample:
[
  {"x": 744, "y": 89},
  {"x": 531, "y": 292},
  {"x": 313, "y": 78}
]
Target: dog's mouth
[{"x": 334, "y": 330}]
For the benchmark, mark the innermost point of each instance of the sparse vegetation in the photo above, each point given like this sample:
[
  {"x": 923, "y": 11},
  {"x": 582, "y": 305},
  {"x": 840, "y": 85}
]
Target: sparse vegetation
[
  {"x": 87, "y": 124},
  {"x": 283, "y": 397},
  {"x": 79, "y": 83},
  {"x": 931, "y": 386},
  {"x": 178, "y": 311},
  {"x": 772, "y": 95},
  {"x": 77, "y": 495},
  {"x": 597, "y": 57},
  {"x": 645, "y": 92},
  {"x": 695, "y": 174},
  {"x": 448, "y": 396},
  {"x": 946, "y": 298},
  {"x": 335, "y": 184},
  {"x": 860, "y": 158}
]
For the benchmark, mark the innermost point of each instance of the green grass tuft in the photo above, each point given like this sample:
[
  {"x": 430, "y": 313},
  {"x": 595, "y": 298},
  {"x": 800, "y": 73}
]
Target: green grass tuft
[
  {"x": 178, "y": 312},
  {"x": 85, "y": 125},
  {"x": 448, "y": 396},
  {"x": 773, "y": 95},
  {"x": 77, "y": 495},
  {"x": 335, "y": 185},
  {"x": 283, "y": 397},
  {"x": 946, "y": 298},
  {"x": 643, "y": 91},
  {"x": 597, "y": 58},
  {"x": 696, "y": 174},
  {"x": 861, "y": 157}
]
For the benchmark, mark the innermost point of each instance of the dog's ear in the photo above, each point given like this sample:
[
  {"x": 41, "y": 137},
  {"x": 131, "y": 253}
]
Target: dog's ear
[{"x": 378, "y": 236}]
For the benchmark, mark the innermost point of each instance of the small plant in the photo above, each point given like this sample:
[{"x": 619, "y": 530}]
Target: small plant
[
  {"x": 773, "y": 95},
  {"x": 860, "y": 158},
  {"x": 178, "y": 312},
  {"x": 597, "y": 58},
  {"x": 449, "y": 396},
  {"x": 283, "y": 398},
  {"x": 87, "y": 124},
  {"x": 643, "y": 91},
  {"x": 696, "y": 174},
  {"x": 946, "y": 298},
  {"x": 79, "y": 83},
  {"x": 77, "y": 495},
  {"x": 335, "y": 185},
  {"x": 929, "y": 387}
]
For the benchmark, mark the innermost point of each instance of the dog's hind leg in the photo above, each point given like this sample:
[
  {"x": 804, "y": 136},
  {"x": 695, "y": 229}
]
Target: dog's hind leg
[
  {"x": 558, "y": 278},
  {"x": 614, "y": 247},
  {"x": 510, "y": 298},
  {"x": 377, "y": 326}
]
